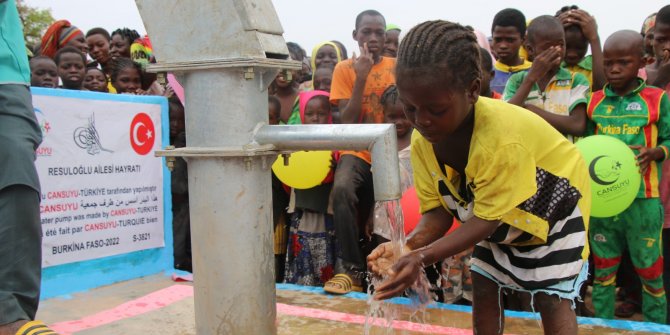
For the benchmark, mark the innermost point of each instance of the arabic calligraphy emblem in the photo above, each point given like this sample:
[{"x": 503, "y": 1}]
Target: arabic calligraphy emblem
[{"x": 88, "y": 138}]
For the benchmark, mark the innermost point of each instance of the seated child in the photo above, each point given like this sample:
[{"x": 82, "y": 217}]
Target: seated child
[
  {"x": 95, "y": 80},
  {"x": 43, "y": 72},
  {"x": 547, "y": 89},
  {"x": 639, "y": 116},
  {"x": 494, "y": 166},
  {"x": 581, "y": 32},
  {"x": 508, "y": 32},
  {"x": 71, "y": 65},
  {"x": 310, "y": 257},
  {"x": 127, "y": 76}
]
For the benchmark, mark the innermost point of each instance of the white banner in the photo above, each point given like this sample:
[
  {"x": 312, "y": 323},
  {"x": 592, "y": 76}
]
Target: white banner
[{"x": 102, "y": 187}]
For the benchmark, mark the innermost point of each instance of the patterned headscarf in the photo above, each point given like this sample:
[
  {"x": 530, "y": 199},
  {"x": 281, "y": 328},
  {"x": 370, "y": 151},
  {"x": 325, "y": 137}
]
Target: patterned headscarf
[
  {"x": 57, "y": 36},
  {"x": 648, "y": 23},
  {"x": 141, "y": 51}
]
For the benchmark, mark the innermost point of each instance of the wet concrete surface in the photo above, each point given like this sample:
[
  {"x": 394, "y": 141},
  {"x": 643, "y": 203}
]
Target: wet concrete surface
[{"x": 300, "y": 311}]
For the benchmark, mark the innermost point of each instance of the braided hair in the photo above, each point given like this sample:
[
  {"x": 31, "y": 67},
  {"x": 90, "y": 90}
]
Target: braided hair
[
  {"x": 129, "y": 35},
  {"x": 441, "y": 48},
  {"x": 389, "y": 96},
  {"x": 123, "y": 63}
]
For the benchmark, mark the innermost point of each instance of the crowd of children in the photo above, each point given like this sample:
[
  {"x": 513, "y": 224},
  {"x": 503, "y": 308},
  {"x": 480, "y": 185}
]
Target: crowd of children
[{"x": 506, "y": 170}]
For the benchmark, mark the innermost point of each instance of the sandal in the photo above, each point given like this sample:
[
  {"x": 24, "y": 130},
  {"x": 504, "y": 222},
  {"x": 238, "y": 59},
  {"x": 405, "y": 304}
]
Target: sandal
[
  {"x": 34, "y": 328},
  {"x": 341, "y": 284}
]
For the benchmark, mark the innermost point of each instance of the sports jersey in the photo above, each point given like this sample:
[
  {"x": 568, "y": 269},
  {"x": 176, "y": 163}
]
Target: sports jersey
[
  {"x": 584, "y": 66},
  {"x": 563, "y": 93},
  {"x": 642, "y": 117}
]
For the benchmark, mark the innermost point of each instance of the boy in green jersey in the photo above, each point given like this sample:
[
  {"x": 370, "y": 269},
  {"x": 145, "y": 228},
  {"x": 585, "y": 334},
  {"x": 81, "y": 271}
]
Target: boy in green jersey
[{"x": 639, "y": 116}]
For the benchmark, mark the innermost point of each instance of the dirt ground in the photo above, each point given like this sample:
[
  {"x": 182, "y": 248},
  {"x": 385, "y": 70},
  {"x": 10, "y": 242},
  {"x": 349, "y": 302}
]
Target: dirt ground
[{"x": 158, "y": 305}]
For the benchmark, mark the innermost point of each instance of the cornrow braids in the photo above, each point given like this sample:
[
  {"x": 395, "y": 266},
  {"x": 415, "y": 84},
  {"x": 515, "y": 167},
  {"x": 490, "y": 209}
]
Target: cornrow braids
[
  {"x": 122, "y": 63},
  {"x": 390, "y": 95},
  {"x": 129, "y": 35},
  {"x": 439, "y": 47}
]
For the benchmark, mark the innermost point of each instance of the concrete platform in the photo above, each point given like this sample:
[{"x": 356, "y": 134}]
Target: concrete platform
[{"x": 158, "y": 305}]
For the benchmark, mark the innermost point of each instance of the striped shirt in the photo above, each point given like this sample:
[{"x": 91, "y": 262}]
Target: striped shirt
[
  {"x": 642, "y": 117},
  {"x": 524, "y": 174}
]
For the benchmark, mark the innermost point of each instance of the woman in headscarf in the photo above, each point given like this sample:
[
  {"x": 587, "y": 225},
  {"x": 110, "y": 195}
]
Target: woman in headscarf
[
  {"x": 60, "y": 34},
  {"x": 324, "y": 54}
]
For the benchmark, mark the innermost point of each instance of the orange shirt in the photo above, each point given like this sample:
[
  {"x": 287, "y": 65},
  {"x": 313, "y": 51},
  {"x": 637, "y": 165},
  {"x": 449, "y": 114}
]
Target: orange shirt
[{"x": 380, "y": 77}]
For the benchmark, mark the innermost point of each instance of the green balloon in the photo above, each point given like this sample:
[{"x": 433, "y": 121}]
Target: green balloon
[{"x": 615, "y": 176}]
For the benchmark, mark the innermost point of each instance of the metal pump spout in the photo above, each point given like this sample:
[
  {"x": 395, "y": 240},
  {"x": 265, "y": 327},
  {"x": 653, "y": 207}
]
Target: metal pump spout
[
  {"x": 235, "y": 50},
  {"x": 380, "y": 139}
]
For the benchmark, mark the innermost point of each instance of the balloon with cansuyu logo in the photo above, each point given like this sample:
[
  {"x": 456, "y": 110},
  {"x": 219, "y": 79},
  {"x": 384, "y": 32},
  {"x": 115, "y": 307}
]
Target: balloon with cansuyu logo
[{"x": 615, "y": 176}]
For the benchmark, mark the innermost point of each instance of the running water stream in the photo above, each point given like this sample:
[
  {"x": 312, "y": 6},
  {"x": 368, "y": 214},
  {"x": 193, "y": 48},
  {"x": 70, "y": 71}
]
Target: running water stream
[{"x": 382, "y": 313}]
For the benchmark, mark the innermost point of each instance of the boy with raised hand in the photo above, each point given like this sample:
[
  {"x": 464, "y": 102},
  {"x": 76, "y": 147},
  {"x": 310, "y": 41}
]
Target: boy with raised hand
[
  {"x": 357, "y": 87},
  {"x": 581, "y": 31},
  {"x": 639, "y": 116},
  {"x": 547, "y": 89},
  {"x": 507, "y": 32}
]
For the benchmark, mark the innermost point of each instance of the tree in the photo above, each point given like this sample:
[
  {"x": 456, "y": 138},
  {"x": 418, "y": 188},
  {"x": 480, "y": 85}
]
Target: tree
[{"x": 35, "y": 22}]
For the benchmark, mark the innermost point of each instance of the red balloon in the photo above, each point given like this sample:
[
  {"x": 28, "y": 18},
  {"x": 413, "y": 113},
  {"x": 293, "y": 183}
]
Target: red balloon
[{"x": 411, "y": 211}]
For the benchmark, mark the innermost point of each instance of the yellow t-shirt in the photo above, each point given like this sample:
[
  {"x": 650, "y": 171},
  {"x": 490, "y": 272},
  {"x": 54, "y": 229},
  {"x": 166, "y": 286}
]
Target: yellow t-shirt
[{"x": 516, "y": 160}]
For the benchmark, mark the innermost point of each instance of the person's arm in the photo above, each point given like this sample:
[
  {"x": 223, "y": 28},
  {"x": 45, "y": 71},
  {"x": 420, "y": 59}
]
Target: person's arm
[
  {"x": 647, "y": 155},
  {"x": 573, "y": 124},
  {"x": 542, "y": 64},
  {"x": 433, "y": 225},
  {"x": 405, "y": 272},
  {"x": 350, "y": 110}
]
